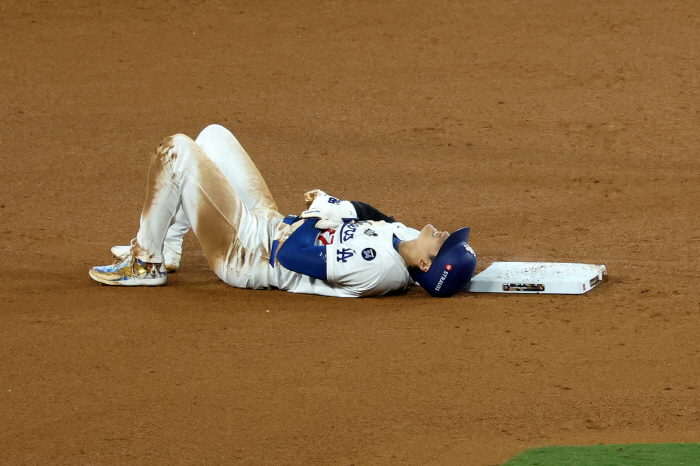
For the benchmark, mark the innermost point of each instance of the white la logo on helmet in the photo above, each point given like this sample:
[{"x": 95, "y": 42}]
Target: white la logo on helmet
[{"x": 469, "y": 250}]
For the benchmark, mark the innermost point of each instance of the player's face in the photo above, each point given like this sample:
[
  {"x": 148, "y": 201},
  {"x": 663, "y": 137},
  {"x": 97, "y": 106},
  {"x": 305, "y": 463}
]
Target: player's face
[{"x": 430, "y": 240}]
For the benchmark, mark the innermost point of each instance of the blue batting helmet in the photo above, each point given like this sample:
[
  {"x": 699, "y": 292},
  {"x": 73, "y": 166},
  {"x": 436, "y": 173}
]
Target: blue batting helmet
[{"x": 453, "y": 267}]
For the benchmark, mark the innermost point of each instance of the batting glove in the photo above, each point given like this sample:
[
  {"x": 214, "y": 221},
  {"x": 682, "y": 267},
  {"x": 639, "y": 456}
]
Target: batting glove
[{"x": 330, "y": 211}]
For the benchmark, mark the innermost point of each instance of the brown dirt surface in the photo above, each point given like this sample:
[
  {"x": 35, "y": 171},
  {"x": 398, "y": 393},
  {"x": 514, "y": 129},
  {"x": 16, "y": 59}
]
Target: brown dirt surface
[{"x": 558, "y": 131}]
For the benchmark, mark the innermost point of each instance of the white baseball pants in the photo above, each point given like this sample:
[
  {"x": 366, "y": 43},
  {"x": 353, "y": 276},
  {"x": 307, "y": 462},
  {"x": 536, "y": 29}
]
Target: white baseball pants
[{"x": 212, "y": 186}]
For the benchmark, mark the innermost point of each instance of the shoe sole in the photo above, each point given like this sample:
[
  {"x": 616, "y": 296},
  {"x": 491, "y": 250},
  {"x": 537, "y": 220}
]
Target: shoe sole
[{"x": 131, "y": 282}]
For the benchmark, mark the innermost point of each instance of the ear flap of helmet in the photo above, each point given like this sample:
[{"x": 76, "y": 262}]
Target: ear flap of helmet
[{"x": 453, "y": 267}]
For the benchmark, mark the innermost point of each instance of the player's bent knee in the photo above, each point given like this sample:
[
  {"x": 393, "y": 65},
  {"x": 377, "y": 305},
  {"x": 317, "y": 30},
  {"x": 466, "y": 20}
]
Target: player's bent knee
[
  {"x": 180, "y": 139},
  {"x": 213, "y": 133},
  {"x": 172, "y": 142},
  {"x": 177, "y": 150}
]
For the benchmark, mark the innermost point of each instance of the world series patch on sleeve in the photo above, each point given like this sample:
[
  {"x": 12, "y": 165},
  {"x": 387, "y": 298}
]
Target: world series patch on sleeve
[{"x": 538, "y": 278}]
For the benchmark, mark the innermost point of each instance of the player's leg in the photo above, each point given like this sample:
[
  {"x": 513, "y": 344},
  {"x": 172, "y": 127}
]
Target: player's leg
[
  {"x": 238, "y": 168},
  {"x": 234, "y": 239},
  {"x": 172, "y": 249},
  {"x": 236, "y": 242},
  {"x": 228, "y": 155}
]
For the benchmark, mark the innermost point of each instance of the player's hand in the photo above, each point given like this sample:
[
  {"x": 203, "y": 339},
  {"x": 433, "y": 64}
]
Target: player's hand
[
  {"x": 330, "y": 211},
  {"x": 310, "y": 196}
]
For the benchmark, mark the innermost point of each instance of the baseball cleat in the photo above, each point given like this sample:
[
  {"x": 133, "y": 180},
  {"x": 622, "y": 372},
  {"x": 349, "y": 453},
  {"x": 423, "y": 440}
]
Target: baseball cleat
[
  {"x": 130, "y": 272},
  {"x": 172, "y": 258}
]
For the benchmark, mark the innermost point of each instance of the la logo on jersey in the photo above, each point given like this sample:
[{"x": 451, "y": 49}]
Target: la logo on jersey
[
  {"x": 369, "y": 254},
  {"x": 342, "y": 255},
  {"x": 448, "y": 267}
]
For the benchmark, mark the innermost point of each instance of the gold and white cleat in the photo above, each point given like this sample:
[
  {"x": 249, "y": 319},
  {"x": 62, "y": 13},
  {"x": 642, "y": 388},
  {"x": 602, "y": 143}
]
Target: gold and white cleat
[
  {"x": 130, "y": 272},
  {"x": 171, "y": 258}
]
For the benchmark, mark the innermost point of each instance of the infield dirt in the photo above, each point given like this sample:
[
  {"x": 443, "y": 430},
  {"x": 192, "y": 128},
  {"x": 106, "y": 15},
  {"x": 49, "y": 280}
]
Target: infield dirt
[{"x": 557, "y": 131}]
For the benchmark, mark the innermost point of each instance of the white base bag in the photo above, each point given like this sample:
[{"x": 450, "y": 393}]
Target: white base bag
[{"x": 537, "y": 278}]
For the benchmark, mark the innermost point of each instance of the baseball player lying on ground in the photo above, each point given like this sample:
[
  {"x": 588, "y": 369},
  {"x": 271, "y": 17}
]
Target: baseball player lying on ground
[{"x": 335, "y": 248}]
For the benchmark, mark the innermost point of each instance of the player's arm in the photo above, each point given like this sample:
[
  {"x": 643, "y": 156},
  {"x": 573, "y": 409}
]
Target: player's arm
[
  {"x": 299, "y": 254},
  {"x": 331, "y": 212},
  {"x": 367, "y": 212}
]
